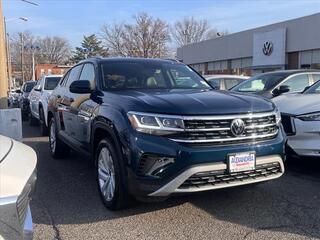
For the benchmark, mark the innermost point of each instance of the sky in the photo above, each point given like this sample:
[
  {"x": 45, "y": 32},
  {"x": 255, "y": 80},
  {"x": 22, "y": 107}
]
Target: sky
[{"x": 73, "y": 19}]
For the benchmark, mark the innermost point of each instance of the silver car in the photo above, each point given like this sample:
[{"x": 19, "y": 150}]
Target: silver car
[{"x": 17, "y": 181}]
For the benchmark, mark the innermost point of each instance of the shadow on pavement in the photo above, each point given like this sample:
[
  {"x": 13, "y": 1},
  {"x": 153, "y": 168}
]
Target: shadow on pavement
[{"x": 66, "y": 194}]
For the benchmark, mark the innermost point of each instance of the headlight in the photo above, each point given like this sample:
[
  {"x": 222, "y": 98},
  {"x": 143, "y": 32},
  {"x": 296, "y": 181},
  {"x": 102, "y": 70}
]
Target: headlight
[
  {"x": 310, "y": 117},
  {"x": 156, "y": 124},
  {"x": 278, "y": 116}
]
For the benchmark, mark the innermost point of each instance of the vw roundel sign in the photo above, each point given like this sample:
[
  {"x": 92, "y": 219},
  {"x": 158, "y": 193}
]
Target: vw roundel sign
[{"x": 267, "y": 48}]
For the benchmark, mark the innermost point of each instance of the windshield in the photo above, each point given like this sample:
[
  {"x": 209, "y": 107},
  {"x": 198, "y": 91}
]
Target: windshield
[
  {"x": 315, "y": 88},
  {"x": 28, "y": 86},
  {"x": 150, "y": 75},
  {"x": 51, "y": 83},
  {"x": 260, "y": 82}
]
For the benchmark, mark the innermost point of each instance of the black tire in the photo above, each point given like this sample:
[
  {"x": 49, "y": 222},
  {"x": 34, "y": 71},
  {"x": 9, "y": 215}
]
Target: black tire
[
  {"x": 121, "y": 198},
  {"x": 32, "y": 120},
  {"x": 43, "y": 127},
  {"x": 60, "y": 149}
]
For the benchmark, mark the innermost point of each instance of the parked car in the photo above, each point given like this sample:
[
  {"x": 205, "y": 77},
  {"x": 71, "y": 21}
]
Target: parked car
[
  {"x": 23, "y": 100},
  {"x": 301, "y": 120},
  {"x": 17, "y": 181},
  {"x": 224, "y": 82},
  {"x": 151, "y": 133},
  {"x": 14, "y": 96},
  {"x": 39, "y": 100},
  {"x": 273, "y": 84}
]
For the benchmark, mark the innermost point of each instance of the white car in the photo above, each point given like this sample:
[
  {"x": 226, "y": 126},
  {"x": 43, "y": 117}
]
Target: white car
[
  {"x": 224, "y": 82},
  {"x": 38, "y": 98},
  {"x": 17, "y": 180},
  {"x": 300, "y": 115}
]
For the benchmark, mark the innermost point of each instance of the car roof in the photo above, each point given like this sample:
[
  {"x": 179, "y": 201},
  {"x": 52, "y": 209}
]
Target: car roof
[
  {"x": 131, "y": 59},
  {"x": 224, "y": 76},
  {"x": 53, "y": 75},
  {"x": 294, "y": 71}
]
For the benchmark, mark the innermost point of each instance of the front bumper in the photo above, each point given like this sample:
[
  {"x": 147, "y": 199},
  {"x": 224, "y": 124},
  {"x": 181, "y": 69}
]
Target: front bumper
[
  {"x": 189, "y": 160},
  {"x": 174, "y": 185},
  {"x": 15, "y": 214},
  {"x": 306, "y": 140}
]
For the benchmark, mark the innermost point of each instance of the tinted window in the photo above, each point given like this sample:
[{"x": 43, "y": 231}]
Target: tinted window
[
  {"x": 65, "y": 78},
  {"x": 215, "y": 82},
  {"x": 150, "y": 75},
  {"x": 231, "y": 82},
  {"x": 74, "y": 74},
  {"x": 51, "y": 83},
  {"x": 315, "y": 88},
  {"x": 28, "y": 86},
  {"x": 87, "y": 72},
  {"x": 260, "y": 82},
  {"x": 297, "y": 83}
]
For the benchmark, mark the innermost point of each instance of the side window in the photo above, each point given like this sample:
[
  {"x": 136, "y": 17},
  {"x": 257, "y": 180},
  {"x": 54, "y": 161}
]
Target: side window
[
  {"x": 297, "y": 83},
  {"x": 87, "y": 72},
  {"x": 316, "y": 77},
  {"x": 65, "y": 79},
  {"x": 215, "y": 83},
  {"x": 231, "y": 82},
  {"x": 74, "y": 75}
]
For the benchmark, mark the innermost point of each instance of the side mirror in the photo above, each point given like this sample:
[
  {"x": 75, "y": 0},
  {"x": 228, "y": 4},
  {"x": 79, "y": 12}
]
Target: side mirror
[
  {"x": 37, "y": 89},
  {"x": 282, "y": 89},
  {"x": 80, "y": 87}
]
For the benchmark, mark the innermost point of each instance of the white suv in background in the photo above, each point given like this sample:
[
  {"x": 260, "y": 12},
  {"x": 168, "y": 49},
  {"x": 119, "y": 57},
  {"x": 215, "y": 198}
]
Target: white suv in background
[{"x": 39, "y": 100}]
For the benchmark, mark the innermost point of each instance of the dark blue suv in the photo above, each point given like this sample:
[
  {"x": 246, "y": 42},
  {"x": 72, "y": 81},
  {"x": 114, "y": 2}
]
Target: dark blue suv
[{"x": 155, "y": 128}]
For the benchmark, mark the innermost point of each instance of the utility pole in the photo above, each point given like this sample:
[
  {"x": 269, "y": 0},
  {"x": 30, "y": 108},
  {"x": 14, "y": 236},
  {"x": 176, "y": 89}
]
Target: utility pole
[
  {"x": 22, "y": 57},
  {"x": 3, "y": 64}
]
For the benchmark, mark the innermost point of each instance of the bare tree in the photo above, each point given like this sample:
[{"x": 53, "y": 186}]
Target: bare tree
[
  {"x": 146, "y": 37},
  {"x": 53, "y": 50},
  {"x": 190, "y": 30}
]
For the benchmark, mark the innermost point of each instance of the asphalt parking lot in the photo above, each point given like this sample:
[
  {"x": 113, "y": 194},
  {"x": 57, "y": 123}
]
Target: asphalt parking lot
[{"x": 66, "y": 205}]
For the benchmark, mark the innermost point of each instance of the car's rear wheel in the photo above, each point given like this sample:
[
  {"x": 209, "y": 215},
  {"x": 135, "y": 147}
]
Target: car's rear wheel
[
  {"x": 43, "y": 127},
  {"x": 109, "y": 176},
  {"x": 58, "y": 148}
]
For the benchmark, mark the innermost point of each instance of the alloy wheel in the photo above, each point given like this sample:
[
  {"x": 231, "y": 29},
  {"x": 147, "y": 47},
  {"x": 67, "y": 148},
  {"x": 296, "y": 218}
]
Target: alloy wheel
[{"x": 106, "y": 174}]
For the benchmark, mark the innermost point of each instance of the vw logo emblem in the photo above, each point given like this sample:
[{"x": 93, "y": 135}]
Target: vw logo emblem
[
  {"x": 267, "y": 48},
  {"x": 237, "y": 127}
]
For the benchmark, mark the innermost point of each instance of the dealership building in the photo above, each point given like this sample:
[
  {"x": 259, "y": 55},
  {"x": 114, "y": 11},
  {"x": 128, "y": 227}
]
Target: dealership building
[{"x": 291, "y": 44}]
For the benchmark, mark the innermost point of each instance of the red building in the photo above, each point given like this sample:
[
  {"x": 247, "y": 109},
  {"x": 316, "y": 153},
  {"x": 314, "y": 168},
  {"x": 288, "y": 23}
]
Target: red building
[{"x": 47, "y": 69}]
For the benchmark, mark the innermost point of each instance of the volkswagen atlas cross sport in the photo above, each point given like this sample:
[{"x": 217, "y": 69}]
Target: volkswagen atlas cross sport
[{"x": 155, "y": 128}]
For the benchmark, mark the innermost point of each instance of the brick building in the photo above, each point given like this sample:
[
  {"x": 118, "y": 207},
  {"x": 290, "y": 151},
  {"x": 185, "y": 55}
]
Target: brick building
[{"x": 47, "y": 69}]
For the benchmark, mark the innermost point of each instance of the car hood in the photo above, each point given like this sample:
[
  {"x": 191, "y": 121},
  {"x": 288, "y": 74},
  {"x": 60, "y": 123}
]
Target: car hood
[
  {"x": 5, "y": 146},
  {"x": 18, "y": 164},
  {"x": 297, "y": 104},
  {"x": 189, "y": 102}
]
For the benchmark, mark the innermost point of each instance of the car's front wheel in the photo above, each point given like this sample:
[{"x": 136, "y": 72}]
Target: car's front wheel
[
  {"x": 109, "y": 176},
  {"x": 58, "y": 148}
]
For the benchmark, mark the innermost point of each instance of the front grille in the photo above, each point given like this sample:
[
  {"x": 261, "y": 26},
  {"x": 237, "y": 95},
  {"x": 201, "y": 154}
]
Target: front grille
[
  {"x": 287, "y": 123},
  {"x": 218, "y": 129},
  {"x": 223, "y": 177},
  {"x": 22, "y": 203}
]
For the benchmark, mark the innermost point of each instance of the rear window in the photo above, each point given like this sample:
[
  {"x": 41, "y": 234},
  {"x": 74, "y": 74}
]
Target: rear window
[
  {"x": 51, "y": 83},
  {"x": 262, "y": 82},
  {"x": 28, "y": 86}
]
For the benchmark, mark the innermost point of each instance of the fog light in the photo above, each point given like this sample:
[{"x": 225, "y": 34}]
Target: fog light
[{"x": 153, "y": 165}]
